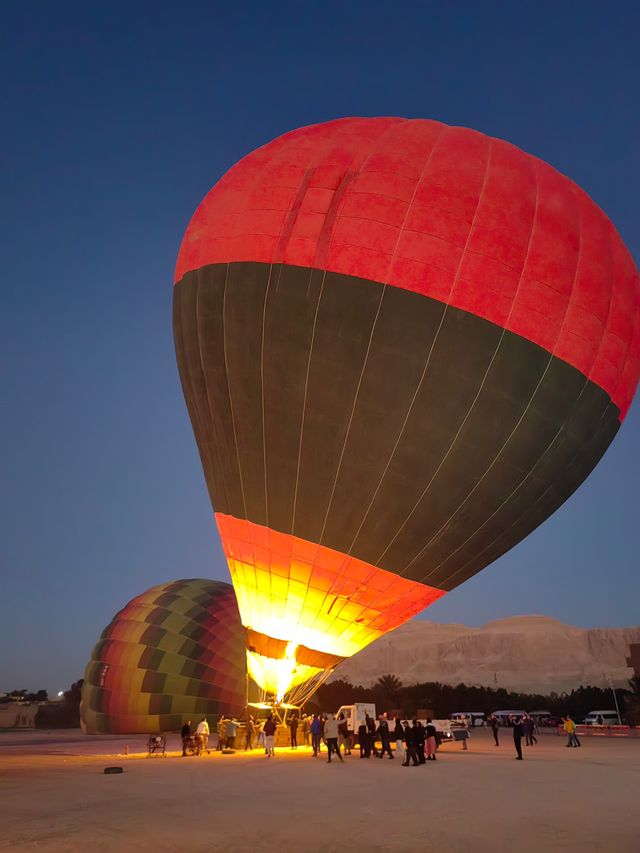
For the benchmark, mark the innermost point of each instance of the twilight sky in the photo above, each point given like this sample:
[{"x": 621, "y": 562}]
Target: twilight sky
[{"x": 117, "y": 119}]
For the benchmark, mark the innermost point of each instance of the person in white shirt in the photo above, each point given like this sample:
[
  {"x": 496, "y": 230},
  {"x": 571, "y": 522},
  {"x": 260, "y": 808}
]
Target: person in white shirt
[
  {"x": 203, "y": 732},
  {"x": 331, "y": 735}
]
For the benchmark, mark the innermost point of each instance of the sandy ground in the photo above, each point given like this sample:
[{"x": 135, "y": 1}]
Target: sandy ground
[{"x": 55, "y": 797}]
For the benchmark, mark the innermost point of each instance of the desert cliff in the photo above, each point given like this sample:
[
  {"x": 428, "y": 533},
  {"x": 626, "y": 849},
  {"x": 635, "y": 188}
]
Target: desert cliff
[{"x": 525, "y": 653}]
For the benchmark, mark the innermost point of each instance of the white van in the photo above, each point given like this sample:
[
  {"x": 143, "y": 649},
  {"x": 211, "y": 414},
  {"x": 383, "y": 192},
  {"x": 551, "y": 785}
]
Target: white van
[{"x": 601, "y": 718}]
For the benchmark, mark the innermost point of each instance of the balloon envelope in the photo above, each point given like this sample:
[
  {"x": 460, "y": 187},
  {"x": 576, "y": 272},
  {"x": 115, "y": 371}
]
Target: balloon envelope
[
  {"x": 402, "y": 346},
  {"x": 172, "y": 653}
]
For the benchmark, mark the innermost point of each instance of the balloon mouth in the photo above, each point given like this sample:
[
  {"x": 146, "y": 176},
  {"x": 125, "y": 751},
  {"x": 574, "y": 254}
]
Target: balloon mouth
[{"x": 278, "y": 676}]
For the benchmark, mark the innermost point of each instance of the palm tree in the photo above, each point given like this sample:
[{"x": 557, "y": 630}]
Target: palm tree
[{"x": 389, "y": 686}]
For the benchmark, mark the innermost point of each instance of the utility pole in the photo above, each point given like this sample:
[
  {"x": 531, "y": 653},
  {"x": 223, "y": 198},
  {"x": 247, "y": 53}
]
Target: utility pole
[{"x": 615, "y": 697}]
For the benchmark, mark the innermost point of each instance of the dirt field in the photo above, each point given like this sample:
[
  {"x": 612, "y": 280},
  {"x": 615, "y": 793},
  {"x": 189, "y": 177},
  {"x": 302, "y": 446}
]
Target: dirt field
[{"x": 54, "y": 797}]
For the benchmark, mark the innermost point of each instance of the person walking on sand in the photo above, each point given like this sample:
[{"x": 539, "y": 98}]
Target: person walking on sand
[
  {"x": 269, "y": 737},
  {"x": 185, "y": 734},
  {"x": 495, "y": 728},
  {"x": 249, "y": 734},
  {"x": 570, "y": 729},
  {"x": 203, "y": 732},
  {"x": 431, "y": 743},
  {"x": 331, "y": 734},
  {"x": 316, "y": 734},
  {"x": 293, "y": 728},
  {"x": 518, "y": 731}
]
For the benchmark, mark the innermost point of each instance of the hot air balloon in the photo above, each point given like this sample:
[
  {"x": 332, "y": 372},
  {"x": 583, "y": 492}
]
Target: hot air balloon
[
  {"x": 172, "y": 653},
  {"x": 402, "y": 346}
]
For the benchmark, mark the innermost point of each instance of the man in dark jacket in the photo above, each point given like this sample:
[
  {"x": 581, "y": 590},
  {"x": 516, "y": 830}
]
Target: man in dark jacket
[
  {"x": 410, "y": 744},
  {"x": 185, "y": 734},
  {"x": 385, "y": 738},
  {"x": 316, "y": 734},
  {"x": 495, "y": 728},
  {"x": 293, "y": 728},
  {"x": 518, "y": 731},
  {"x": 371, "y": 729},
  {"x": 363, "y": 740}
]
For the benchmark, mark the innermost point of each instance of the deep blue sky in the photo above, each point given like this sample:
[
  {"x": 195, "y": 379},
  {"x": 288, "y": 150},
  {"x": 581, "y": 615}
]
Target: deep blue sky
[{"x": 117, "y": 118}]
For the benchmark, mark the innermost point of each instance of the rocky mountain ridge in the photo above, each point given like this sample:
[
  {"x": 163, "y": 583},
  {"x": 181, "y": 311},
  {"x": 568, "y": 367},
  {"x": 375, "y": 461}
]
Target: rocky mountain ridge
[{"x": 524, "y": 653}]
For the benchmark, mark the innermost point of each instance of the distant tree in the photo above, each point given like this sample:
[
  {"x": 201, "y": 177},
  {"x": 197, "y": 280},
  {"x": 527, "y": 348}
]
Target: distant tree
[
  {"x": 388, "y": 687},
  {"x": 633, "y": 701},
  {"x": 62, "y": 715}
]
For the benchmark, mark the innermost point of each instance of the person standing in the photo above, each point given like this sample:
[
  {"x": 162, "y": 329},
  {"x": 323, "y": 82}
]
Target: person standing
[
  {"x": 185, "y": 734},
  {"x": 269, "y": 737},
  {"x": 518, "y": 731},
  {"x": 363, "y": 740},
  {"x": 371, "y": 730},
  {"x": 203, "y": 732},
  {"x": 419, "y": 737},
  {"x": 259, "y": 727},
  {"x": 410, "y": 746},
  {"x": 495, "y": 728},
  {"x": 431, "y": 742},
  {"x": 529, "y": 734},
  {"x": 343, "y": 735},
  {"x": 316, "y": 734},
  {"x": 570, "y": 729},
  {"x": 306, "y": 730},
  {"x": 222, "y": 733},
  {"x": 385, "y": 738},
  {"x": 465, "y": 723},
  {"x": 398, "y": 735},
  {"x": 331, "y": 734},
  {"x": 231, "y": 732},
  {"x": 250, "y": 734},
  {"x": 293, "y": 728}
]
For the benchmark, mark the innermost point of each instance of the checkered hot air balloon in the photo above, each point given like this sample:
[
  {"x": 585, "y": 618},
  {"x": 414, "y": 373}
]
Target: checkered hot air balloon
[{"x": 174, "y": 653}]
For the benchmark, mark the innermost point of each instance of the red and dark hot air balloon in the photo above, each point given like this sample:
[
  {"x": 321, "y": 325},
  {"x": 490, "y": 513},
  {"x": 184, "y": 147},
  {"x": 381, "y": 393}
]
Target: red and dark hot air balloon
[{"x": 402, "y": 346}]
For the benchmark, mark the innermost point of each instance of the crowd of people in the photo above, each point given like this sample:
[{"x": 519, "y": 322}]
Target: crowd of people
[{"x": 417, "y": 743}]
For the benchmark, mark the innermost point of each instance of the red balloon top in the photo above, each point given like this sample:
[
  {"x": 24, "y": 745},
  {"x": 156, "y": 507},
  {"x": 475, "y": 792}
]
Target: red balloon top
[{"x": 448, "y": 212}]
